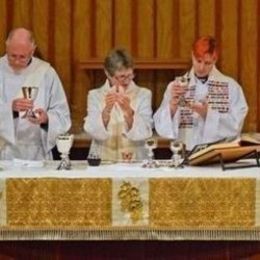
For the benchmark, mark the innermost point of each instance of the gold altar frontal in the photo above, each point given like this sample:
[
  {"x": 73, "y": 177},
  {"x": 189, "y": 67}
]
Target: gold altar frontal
[{"x": 107, "y": 208}]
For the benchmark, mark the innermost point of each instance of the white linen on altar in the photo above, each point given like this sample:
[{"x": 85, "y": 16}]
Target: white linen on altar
[{"x": 81, "y": 170}]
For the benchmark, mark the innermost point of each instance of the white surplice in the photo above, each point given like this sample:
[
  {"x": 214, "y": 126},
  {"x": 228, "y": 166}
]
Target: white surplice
[
  {"x": 22, "y": 138},
  {"x": 111, "y": 141},
  {"x": 227, "y": 109}
]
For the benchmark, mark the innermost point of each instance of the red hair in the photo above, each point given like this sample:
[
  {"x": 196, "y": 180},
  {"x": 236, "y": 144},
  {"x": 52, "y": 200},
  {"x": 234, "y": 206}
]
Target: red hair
[{"x": 205, "y": 45}]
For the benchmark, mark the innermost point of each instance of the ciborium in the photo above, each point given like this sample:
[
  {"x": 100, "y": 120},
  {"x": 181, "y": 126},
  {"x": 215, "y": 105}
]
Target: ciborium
[
  {"x": 64, "y": 143},
  {"x": 178, "y": 153},
  {"x": 150, "y": 145}
]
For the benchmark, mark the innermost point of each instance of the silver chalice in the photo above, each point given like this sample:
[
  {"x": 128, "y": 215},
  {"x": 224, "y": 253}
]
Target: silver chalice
[
  {"x": 178, "y": 153},
  {"x": 64, "y": 143}
]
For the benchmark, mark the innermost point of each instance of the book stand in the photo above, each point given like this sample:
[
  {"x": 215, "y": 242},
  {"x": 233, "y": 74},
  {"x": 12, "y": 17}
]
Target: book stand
[{"x": 230, "y": 165}]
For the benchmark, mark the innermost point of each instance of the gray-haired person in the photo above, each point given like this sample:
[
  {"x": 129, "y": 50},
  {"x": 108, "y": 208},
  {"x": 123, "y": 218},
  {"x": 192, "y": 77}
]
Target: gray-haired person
[{"x": 119, "y": 114}]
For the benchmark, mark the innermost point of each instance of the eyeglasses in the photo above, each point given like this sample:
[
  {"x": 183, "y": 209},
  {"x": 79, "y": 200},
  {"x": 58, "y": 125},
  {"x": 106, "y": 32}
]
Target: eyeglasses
[
  {"x": 21, "y": 58},
  {"x": 125, "y": 77}
]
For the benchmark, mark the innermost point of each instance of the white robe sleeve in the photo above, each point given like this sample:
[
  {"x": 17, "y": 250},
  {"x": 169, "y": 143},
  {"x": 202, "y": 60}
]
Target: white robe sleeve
[
  {"x": 142, "y": 123},
  {"x": 166, "y": 125},
  {"x": 222, "y": 125},
  {"x": 7, "y": 129},
  {"x": 94, "y": 125},
  {"x": 7, "y": 123},
  {"x": 57, "y": 110}
]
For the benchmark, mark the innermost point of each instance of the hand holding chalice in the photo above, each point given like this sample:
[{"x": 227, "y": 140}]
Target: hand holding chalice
[
  {"x": 180, "y": 88},
  {"x": 29, "y": 93}
]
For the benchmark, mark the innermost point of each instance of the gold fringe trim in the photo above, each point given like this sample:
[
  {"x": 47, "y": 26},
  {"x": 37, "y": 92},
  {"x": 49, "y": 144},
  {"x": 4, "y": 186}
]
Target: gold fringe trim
[{"x": 129, "y": 234}]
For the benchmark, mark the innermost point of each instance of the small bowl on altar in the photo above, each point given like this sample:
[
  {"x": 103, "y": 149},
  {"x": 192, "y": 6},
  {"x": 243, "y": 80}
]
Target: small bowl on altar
[{"x": 94, "y": 161}]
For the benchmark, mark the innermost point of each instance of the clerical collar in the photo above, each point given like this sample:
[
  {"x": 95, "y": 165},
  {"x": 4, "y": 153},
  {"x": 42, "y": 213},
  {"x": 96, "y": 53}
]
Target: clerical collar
[
  {"x": 29, "y": 62},
  {"x": 21, "y": 70},
  {"x": 202, "y": 79}
]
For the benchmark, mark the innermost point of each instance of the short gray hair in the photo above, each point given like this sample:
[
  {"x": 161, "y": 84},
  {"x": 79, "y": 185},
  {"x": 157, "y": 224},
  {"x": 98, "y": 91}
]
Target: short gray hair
[{"x": 118, "y": 59}]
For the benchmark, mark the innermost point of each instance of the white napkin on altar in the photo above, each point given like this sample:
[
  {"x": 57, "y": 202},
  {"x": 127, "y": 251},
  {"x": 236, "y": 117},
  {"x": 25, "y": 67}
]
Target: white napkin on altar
[{"x": 27, "y": 163}]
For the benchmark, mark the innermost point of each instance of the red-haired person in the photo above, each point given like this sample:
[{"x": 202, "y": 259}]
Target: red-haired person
[{"x": 210, "y": 107}]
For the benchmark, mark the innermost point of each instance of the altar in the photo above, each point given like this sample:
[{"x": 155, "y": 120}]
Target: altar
[{"x": 127, "y": 202}]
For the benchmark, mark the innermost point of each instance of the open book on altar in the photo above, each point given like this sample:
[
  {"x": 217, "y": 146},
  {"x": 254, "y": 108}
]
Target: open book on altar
[
  {"x": 225, "y": 150},
  {"x": 250, "y": 138}
]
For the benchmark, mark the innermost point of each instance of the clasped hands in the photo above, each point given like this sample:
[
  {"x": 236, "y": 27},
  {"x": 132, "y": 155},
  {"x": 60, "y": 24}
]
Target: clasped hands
[
  {"x": 23, "y": 105},
  {"x": 178, "y": 92},
  {"x": 123, "y": 102}
]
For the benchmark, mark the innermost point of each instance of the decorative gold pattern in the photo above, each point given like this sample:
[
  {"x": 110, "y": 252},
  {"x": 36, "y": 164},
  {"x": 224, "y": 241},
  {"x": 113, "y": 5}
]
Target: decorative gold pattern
[
  {"x": 206, "y": 203},
  {"x": 174, "y": 204},
  {"x": 257, "y": 203},
  {"x": 2, "y": 203},
  {"x": 58, "y": 202},
  {"x": 131, "y": 201}
]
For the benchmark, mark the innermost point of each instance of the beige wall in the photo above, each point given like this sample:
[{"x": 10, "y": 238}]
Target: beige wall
[{"x": 72, "y": 31}]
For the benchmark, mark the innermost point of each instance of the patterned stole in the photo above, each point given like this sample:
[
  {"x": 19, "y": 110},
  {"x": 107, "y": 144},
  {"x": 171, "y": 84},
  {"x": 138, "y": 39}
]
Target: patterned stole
[{"x": 118, "y": 143}]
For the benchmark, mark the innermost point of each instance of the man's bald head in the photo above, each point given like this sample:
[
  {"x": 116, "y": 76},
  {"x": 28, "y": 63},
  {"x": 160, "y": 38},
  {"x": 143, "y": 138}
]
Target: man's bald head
[
  {"x": 20, "y": 36},
  {"x": 20, "y": 47}
]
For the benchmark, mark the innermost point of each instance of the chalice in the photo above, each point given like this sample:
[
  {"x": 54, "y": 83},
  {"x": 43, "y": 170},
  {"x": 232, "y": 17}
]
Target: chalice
[
  {"x": 150, "y": 145},
  {"x": 29, "y": 93},
  {"x": 183, "y": 82},
  {"x": 178, "y": 153},
  {"x": 64, "y": 143}
]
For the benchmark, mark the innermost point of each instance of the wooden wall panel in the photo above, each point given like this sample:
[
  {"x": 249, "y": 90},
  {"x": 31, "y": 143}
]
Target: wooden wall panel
[
  {"x": 82, "y": 40},
  {"x": 82, "y": 25},
  {"x": 22, "y": 13},
  {"x": 166, "y": 29},
  {"x": 229, "y": 36},
  {"x": 167, "y": 44},
  {"x": 187, "y": 20},
  {"x": 104, "y": 14},
  {"x": 68, "y": 32},
  {"x": 123, "y": 24},
  {"x": 40, "y": 26},
  {"x": 145, "y": 28},
  {"x": 258, "y": 68},
  {"x": 248, "y": 59},
  {"x": 145, "y": 33},
  {"x": 3, "y": 25},
  {"x": 62, "y": 42},
  {"x": 205, "y": 17}
]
